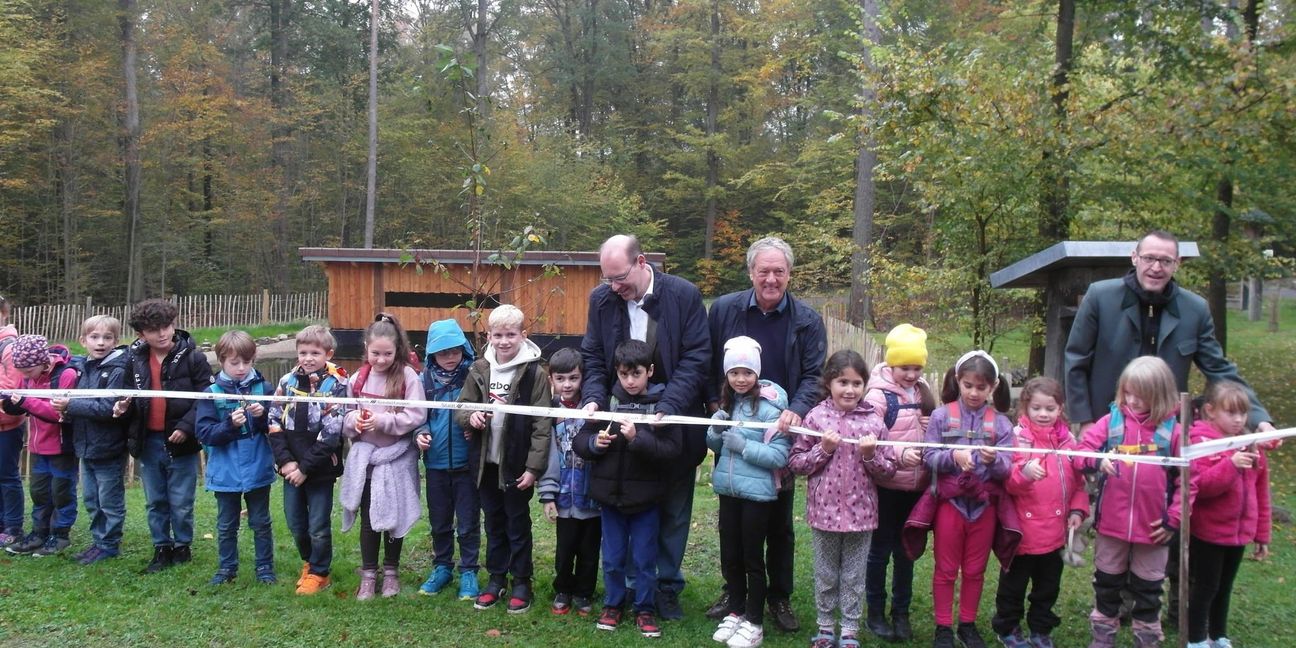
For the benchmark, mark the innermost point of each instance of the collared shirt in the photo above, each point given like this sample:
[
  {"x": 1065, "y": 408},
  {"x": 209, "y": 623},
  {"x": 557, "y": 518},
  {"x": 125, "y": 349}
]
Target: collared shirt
[
  {"x": 782, "y": 305},
  {"x": 638, "y": 316}
]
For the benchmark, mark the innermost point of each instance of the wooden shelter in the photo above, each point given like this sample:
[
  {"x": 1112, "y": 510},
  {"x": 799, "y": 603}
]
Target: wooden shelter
[{"x": 552, "y": 288}]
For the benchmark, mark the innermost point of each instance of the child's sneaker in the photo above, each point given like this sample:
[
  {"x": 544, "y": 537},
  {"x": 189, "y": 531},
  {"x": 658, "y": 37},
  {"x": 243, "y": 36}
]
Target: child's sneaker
[
  {"x": 1014, "y": 639},
  {"x": 846, "y": 641},
  {"x": 266, "y": 575},
  {"x": 583, "y": 605},
  {"x": 301, "y": 578},
  {"x": 1038, "y": 640},
  {"x": 826, "y": 639},
  {"x": 313, "y": 583},
  {"x": 31, "y": 542},
  {"x": 609, "y": 619},
  {"x": 520, "y": 599},
  {"x": 95, "y": 554},
  {"x": 728, "y": 626},
  {"x": 1222, "y": 642},
  {"x": 53, "y": 546},
  {"x": 944, "y": 637},
  {"x": 1200, "y": 644},
  {"x": 391, "y": 581},
  {"x": 7, "y": 539},
  {"x": 161, "y": 560},
  {"x": 180, "y": 554},
  {"x": 436, "y": 581},
  {"x": 561, "y": 603},
  {"x": 493, "y": 593},
  {"x": 970, "y": 636},
  {"x": 468, "y": 589},
  {"x": 750, "y": 635},
  {"x": 222, "y": 577},
  {"x": 368, "y": 585},
  {"x": 647, "y": 625}
]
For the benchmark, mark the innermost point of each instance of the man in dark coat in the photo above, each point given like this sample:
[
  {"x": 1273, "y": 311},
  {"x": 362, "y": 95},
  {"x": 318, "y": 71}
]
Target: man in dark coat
[
  {"x": 638, "y": 301},
  {"x": 793, "y": 347}
]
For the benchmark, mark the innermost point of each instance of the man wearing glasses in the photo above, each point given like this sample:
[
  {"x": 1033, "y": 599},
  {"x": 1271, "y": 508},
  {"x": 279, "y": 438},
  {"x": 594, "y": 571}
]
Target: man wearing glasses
[
  {"x": 1143, "y": 313},
  {"x": 638, "y": 301}
]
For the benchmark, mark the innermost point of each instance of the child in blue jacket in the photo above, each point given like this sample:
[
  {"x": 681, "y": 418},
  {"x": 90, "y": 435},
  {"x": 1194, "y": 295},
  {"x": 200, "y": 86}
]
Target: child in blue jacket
[
  {"x": 453, "y": 507},
  {"x": 240, "y": 465}
]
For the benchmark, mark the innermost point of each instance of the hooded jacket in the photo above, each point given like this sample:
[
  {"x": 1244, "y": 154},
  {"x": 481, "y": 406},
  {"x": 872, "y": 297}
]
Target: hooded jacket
[
  {"x": 49, "y": 434},
  {"x": 238, "y": 456},
  {"x": 1230, "y": 504},
  {"x": 907, "y": 427},
  {"x": 1129, "y": 501},
  {"x": 630, "y": 475},
  {"x": 183, "y": 369},
  {"x": 751, "y": 474},
  {"x": 95, "y": 433},
  {"x": 448, "y": 447},
  {"x": 525, "y": 439},
  {"x": 1044, "y": 506},
  {"x": 840, "y": 495},
  {"x": 317, "y": 449}
]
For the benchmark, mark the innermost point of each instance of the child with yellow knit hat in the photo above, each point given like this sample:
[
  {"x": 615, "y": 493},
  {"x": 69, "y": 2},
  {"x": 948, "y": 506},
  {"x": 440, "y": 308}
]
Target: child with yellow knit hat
[{"x": 897, "y": 391}]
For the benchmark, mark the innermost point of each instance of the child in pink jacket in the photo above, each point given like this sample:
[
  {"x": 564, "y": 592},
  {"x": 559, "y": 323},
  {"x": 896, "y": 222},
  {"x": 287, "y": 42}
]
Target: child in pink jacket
[
  {"x": 1132, "y": 517},
  {"x": 1049, "y": 494},
  {"x": 1230, "y": 510},
  {"x": 841, "y": 501}
]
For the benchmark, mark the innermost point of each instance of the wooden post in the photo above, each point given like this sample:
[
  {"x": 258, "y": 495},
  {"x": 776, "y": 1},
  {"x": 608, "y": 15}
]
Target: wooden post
[
  {"x": 265, "y": 306},
  {"x": 1273, "y": 305},
  {"x": 1185, "y": 420}
]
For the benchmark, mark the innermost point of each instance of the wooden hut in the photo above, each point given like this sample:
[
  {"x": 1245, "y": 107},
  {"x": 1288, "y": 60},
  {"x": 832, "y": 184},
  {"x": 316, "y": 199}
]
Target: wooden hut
[{"x": 551, "y": 288}]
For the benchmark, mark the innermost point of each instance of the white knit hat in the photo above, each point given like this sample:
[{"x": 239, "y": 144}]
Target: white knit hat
[{"x": 742, "y": 351}]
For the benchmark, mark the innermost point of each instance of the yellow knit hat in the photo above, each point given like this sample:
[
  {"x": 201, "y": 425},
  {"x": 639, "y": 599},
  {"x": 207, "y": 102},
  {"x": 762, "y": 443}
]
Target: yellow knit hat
[{"x": 906, "y": 345}]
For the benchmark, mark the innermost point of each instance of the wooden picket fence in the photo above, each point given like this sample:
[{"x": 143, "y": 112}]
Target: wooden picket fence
[{"x": 63, "y": 321}]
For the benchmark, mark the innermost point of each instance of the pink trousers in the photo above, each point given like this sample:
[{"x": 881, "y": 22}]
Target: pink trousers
[{"x": 960, "y": 545}]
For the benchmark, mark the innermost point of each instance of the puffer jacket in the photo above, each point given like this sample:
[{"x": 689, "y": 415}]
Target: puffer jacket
[
  {"x": 630, "y": 476},
  {"x": 1044, "y": 506},
  {"x": 184, "y": 368},
  {"x": 751, "y": 474},
  {"x": 448, "y": 447},
  {"x": 1131, "y": 500},
  {"x": 238, "y": 456},
  {"x": 96, "y": 434},
  {"x": 840, "y": 495},
  {"x": 907, "y": 427},
  {"x": 10, "y": 377},
  {"x": 317, "y": 450},
  {"x": 1230, "y": 505},
  {"x": 50, "y": 434}
]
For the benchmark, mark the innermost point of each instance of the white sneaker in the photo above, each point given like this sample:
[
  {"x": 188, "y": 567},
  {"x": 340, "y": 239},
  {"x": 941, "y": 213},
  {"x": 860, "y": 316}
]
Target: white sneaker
[
  {"x": 1200, "y": 644},
  {"x": 1222, "y": 642},
  {"x": 749, "y": 635},
  {"x": 727, "y": 628}
]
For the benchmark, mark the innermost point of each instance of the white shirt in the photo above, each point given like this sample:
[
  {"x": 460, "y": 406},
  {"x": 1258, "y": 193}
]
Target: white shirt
[{"x": 638, "y": 316}]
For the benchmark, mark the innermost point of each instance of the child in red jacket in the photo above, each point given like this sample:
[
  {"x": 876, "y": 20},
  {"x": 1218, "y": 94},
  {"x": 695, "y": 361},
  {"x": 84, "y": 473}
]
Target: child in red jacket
[
  {"x": 1230, "y": 510},
  {"x": 1049, "y": 493}
]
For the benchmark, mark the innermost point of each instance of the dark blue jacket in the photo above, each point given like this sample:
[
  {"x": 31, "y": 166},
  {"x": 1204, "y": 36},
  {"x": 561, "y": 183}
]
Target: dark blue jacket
[
  {"x": 448, "y": 448},
  {"x": 185, "y": 368},
  {"x": 238, "y": 457},
  {"x": 95, "y": 433},
  {"x": 683, "y": 346},
  {"x": 631, "y": 476},
  {"x": 804, "y": 354}
]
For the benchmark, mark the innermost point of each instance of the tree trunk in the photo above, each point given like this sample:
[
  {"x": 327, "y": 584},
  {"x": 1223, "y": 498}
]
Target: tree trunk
[
  {"x": 372, "y": 173},
  {"x": 131, "y": 153},
  {"x": 279, "y": 135},
  {"x": 1217, "y": 288},
  {"x": 712, "y": 115},
  {"x": 859, "y": 310},
  {"x": 480, "y": 32}
]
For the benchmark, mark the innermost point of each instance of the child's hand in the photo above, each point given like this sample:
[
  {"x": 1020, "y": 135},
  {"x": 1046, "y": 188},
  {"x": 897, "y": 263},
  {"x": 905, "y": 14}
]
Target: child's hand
[
  {"x": 550, "y": 511},
  {"x": 1160, "y": 534},
  {"x": 365, "y": 422},
  {"x": 829, "y": 441},
  {"x": 962, "y": 459},
  {"x": 478, "y": 419},
  {"x": 988, "y": 455},
  {"x": 177, "y": 436},
  {"x": 238, "y": 418},
  {"x": 734, "y": 441},
  {"x": 15, "y": 399},
  {"x": 1245, "y": 460},
  {"x": 288, "y": 468},
  {"x": 1033, "y": 470},
  {"x": 1074, "y": 521},
  {"x": 604, "y": 438},
  {"x": 1261, "y": 552},
  {"x": 423, "y": 441},
  {"x": 527, "y": 480},
  {"x": 1109, "y": 467},
  {"x": 255, "y": 409},
  {"x": 868, "y": 446},
  {"x": 296, "y": 477},
  {"x": 628, "y": 431},
  {"x": 59, "y": 404},
  {"x": 120, "y": 407},
  {"x": 910, "y": 458}
]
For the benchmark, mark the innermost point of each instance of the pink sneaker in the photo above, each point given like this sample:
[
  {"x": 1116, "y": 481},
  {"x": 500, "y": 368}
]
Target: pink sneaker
[
  {"x": 391, "y": 582},
  {"x": 368, "y": 583}
]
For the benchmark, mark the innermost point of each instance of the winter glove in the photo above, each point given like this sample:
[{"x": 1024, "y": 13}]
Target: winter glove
[
  {"x": 734, "y": 440},
  {"x": 720, "y": 415}
]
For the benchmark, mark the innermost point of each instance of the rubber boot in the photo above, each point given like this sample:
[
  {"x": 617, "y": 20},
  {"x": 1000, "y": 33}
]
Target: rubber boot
[
  {"x": 1147, "y": 634},
  {"x": 1103, "y": 629}
]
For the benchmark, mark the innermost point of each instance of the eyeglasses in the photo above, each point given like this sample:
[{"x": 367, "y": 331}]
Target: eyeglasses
[
  {"x": 1164, "y": 262},
  {"x": 619, "y": 278}
]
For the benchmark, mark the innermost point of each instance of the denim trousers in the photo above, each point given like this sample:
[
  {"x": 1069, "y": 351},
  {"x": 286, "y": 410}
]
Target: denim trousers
[
  {"x": 308, "y": 510},
  {"x": 169, "y": 488},
  {"x": 104, "y": 487},
  {"x": 454, "y": 511},
  {"x": 228, "y": 510}
]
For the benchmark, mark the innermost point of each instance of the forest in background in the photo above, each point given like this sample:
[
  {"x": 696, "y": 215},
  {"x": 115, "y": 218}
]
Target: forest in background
[{"x": 933, "y": 140}]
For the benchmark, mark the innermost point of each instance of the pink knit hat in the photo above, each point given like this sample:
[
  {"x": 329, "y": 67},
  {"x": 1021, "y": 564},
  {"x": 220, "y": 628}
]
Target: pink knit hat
[{"x": 30, "y": 351}]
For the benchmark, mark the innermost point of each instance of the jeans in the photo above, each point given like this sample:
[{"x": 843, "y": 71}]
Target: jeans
[
  {"x": 53, "y": 492},
  {"x": 227, "y": 527},
  {"x": 11, "y": 487},
  {"x": 454, "y": 512},
  {"x": 169, "y": 484},
  {"x": 630, "y": 538},
  {"x": 103, "y": 482},
  {"x": 676, "y": 512},
  {"x": 308, "y": 510},
  {"x": 507, "y": 515}
]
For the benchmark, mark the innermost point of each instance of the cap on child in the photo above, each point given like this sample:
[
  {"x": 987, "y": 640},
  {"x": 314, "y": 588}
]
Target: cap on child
[
  {"x": 744, "y": 352},
  {"x": 906, "y": 345},
  {"x": 30, "y": 351}
]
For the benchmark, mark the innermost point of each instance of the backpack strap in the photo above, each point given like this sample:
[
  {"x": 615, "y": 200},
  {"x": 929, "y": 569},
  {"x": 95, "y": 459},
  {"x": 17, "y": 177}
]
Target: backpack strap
[
  {"x": 893, "y": 407},
  {"x": 986, "y": 430},
  {"x": 1116, "y": 436}
]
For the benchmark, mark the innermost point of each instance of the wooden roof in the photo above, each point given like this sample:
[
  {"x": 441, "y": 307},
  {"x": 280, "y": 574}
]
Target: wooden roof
[
  {"x": 456, "y": 257},
  {"x": 1033, "y": 271}
]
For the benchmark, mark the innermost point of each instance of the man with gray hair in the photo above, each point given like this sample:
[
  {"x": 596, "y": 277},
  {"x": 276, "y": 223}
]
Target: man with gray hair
[{"x": 793, "y": 347}]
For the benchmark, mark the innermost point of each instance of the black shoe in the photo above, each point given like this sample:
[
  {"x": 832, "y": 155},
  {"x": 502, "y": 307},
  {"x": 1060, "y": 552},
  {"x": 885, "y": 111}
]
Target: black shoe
[
  {"x": 944, "y": 637},
  {"x": 668, "y": 605},
  {"x": 877, "y": 624},
  {"x": 784, "y": 618},
  {"x": 180, "y": 554},
  {"x": 31, "y": 542},
  {"x": 900, "y": 628},
  {"x": 719, "y": 609},
  {"x": 970, "y": 636},
  {"x": 162, "y": 559}
]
